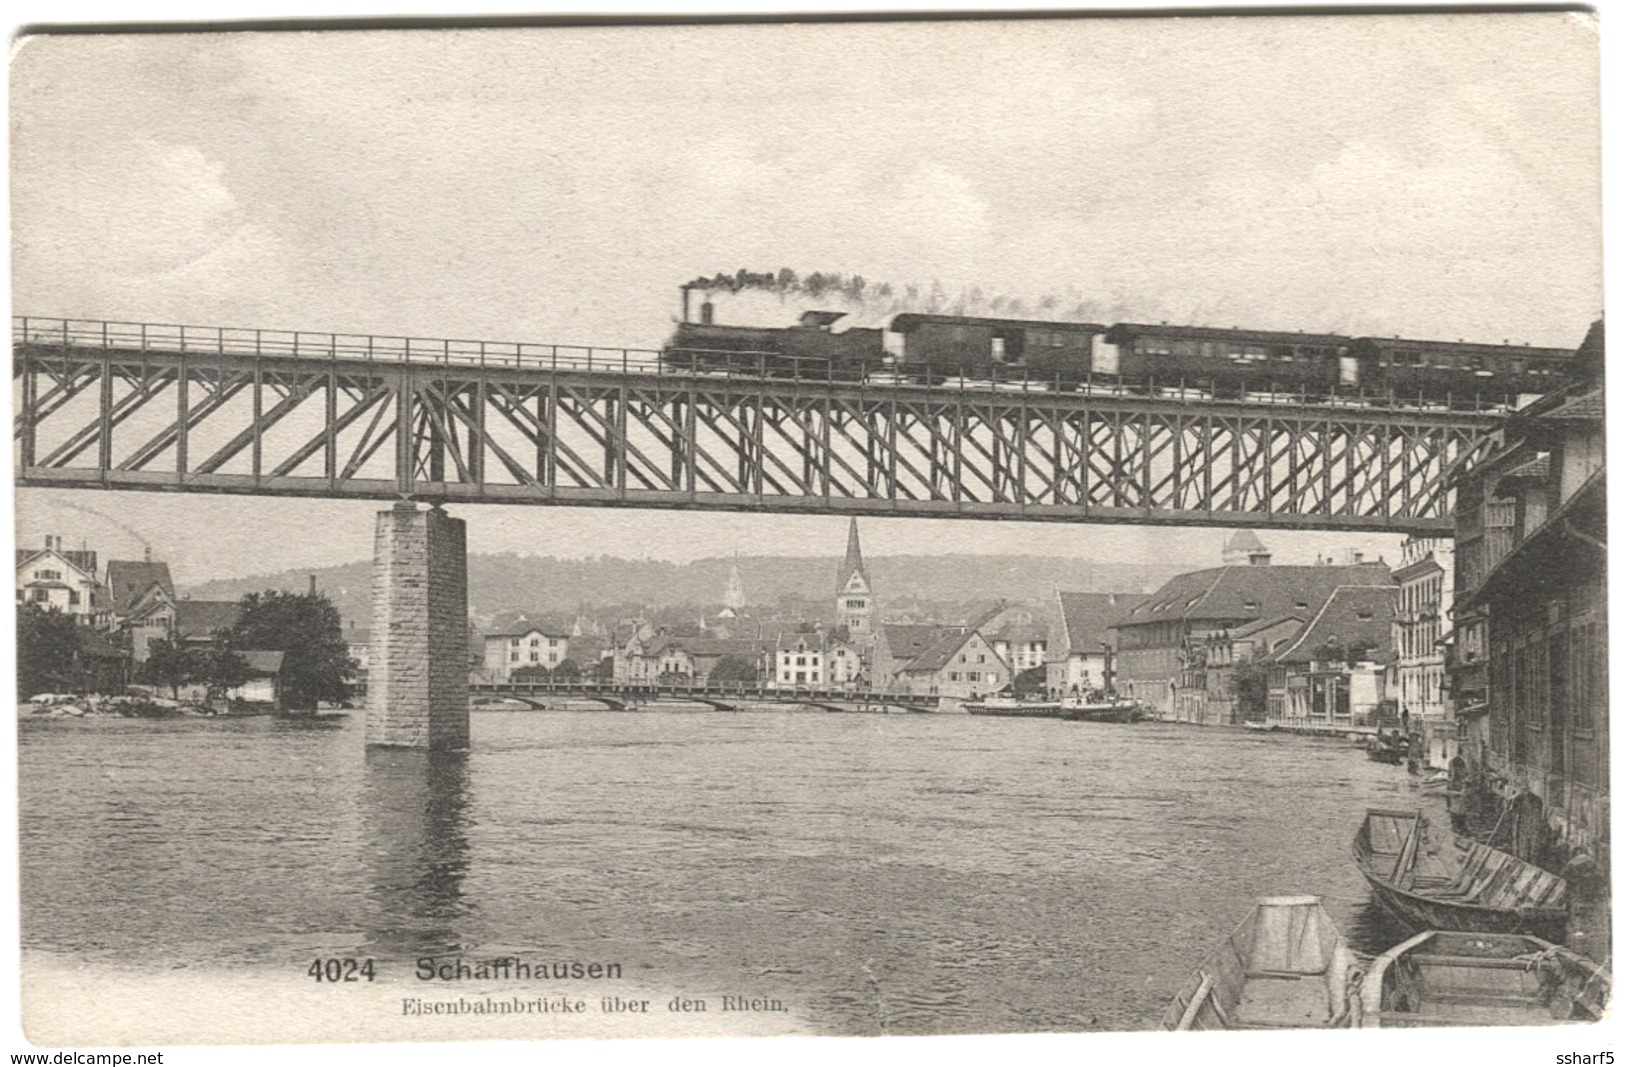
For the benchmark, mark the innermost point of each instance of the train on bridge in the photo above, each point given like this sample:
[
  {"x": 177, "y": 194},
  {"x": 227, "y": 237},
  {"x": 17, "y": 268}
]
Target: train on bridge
[{"x": 1134, "y": 359}]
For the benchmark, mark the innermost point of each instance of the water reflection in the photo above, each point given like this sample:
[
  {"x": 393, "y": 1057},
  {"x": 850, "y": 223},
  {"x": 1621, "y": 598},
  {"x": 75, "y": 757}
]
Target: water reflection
[
  {"x": 1375, "y": 930},
  {"x": 415, "y": 810}
]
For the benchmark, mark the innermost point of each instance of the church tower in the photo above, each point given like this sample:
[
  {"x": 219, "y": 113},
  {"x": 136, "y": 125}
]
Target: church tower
[{"x": 854, "y": 598}]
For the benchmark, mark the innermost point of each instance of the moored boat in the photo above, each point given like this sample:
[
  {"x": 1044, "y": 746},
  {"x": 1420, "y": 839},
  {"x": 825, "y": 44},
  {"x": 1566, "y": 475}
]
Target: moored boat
[
  {"x": 1285, "y": 967},
  {"x": 1025, "y": 709},
  {"x": 1114, "y": 710},
  {"x": 1481, "y": 979},
  {"x": 1442, "y": 882},
  {"x": 1387, "y": 749}
]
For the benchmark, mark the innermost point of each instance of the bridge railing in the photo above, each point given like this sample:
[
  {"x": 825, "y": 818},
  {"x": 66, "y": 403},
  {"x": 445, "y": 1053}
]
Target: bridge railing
[
  {"x": 234, "y": 341},
  {"x": 687, "y": 363}
]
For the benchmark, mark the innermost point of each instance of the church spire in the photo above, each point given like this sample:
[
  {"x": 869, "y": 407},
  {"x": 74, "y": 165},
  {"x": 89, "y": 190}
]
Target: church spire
[
  {"x": 854, "y": 556},
  {"x": 854, "y": 599},
  {"x": 734, "y": 598}
]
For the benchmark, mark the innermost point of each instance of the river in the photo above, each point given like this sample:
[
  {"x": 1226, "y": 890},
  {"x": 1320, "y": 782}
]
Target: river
[{"x": 901, "y": 874}]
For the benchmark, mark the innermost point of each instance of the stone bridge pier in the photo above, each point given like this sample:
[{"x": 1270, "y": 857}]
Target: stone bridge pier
[{"x": 417, "y": 673}]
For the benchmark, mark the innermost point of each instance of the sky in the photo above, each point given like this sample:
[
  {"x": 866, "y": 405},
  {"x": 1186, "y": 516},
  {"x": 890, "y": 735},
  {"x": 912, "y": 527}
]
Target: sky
[{"x": 1431, "y": 176}]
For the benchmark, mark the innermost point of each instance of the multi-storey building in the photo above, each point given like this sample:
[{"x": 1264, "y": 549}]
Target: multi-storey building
[
  {"x": 1227, "y": 699},
  {"x": 523, "y": 647},
  {"x": 815, "y": 659},
  {"x": 142, "y": 596},
  {"x": 1156, "y": 638},
  {"x": 1528, "y": 665},
  {"x": 957, "y": 662},
  {"x": 1331, "y": 672},
  {"x": 1427, "y": 582},
  {"x": 63, "y": 579},
  {"x": 1080, "y": 643}
]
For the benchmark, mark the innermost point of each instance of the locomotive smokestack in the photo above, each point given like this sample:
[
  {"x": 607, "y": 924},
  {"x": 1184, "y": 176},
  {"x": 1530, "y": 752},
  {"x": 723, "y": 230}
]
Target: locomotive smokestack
[{"x": 707, "y": 312}]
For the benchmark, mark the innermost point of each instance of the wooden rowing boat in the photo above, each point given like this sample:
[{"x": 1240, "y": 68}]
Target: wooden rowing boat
[
  {"x": 1284, "y": 967},
  {"x": 1443, "y": 882},
  {"x": 1478, "y": 979}
]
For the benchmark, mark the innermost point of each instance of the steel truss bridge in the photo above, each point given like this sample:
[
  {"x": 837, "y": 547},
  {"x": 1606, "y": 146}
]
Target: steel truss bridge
[{"x": 204, "y": 409}]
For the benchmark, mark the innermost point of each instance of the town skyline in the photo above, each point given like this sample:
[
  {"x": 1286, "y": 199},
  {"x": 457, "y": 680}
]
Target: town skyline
[{"x": 211, "y": 538}]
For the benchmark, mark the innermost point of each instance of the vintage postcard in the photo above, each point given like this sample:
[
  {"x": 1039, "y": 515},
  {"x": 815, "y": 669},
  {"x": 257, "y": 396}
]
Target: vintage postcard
[{"x": 911, "y": 527}]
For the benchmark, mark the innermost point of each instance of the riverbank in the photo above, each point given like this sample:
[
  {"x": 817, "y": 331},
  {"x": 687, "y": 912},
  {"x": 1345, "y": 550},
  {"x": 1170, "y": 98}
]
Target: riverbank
[{"x": 73, "y": 706}]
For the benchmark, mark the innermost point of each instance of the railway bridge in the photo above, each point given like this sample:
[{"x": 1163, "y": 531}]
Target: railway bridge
[{"x": 205, "y": 409}]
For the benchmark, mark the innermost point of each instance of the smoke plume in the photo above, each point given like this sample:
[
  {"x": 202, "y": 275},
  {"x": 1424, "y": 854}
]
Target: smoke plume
[{"x": 875, "y": 300}]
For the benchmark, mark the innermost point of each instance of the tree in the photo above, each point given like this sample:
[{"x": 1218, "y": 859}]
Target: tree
[
  {"x": 1250, "y": 686},
  {"x": 734, "y": 669},
  {"x": 48, "y": 645},
  {"x": 306, "y": 628},
  {"x": 566, "y": 671},
  {"x": 1032, "y": 680},
  {"x": 604, "y": 670},
  {"x": 170, "y": 664},
  {"x": 220, "y": 669}
]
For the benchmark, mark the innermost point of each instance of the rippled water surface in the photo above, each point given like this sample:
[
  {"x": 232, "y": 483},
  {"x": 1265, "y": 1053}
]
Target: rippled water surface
[{"x": 898, "y": 874}]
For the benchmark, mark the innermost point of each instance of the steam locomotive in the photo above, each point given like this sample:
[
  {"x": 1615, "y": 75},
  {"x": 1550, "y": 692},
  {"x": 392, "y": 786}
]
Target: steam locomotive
[{"x": 1131, "y": 358}]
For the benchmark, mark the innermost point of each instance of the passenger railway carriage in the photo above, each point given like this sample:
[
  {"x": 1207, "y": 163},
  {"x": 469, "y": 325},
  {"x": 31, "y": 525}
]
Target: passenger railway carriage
[
  {"x": 1127, "y": 357},
  {"x": 1456, "y": 372},
  {"x": 935, "y": 347},
  {"x": 1229, "y": 363}
]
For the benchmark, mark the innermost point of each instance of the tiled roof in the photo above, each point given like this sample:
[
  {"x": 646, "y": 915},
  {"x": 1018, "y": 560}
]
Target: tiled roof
[
  {"x": 940, "y": 650},
  {"x": 526, "y": 631},
  {"x": 1023, "y": 632},
  {"x": 127, "y": 579},
  {"x": 1245, "y": 593},
  {"x": 1351, "y": 615},
  {"x": 1248, "y": 629},
  {"x": 700, "y": 646},
  {"x": 85, "y": 560},
  {"x": 1087, "y": 618},
  {"x": 906, "y": 640},
  {"x": 201, "y": 618}
]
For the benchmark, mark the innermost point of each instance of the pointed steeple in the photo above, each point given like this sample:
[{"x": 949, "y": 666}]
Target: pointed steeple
[
  {"x": 734, "y": 598},
  {"x": 854, "y": 598},
  {"x": 854, "y": 557}
]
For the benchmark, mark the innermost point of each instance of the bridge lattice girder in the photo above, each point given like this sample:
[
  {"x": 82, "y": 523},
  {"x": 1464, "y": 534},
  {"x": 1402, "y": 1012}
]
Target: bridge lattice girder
[{"x": 90, "y": 415}]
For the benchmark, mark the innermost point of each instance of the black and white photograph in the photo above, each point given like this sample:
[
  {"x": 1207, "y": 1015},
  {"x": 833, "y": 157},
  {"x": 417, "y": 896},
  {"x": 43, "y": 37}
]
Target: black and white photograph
[{"x": 908, "y": 525}]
